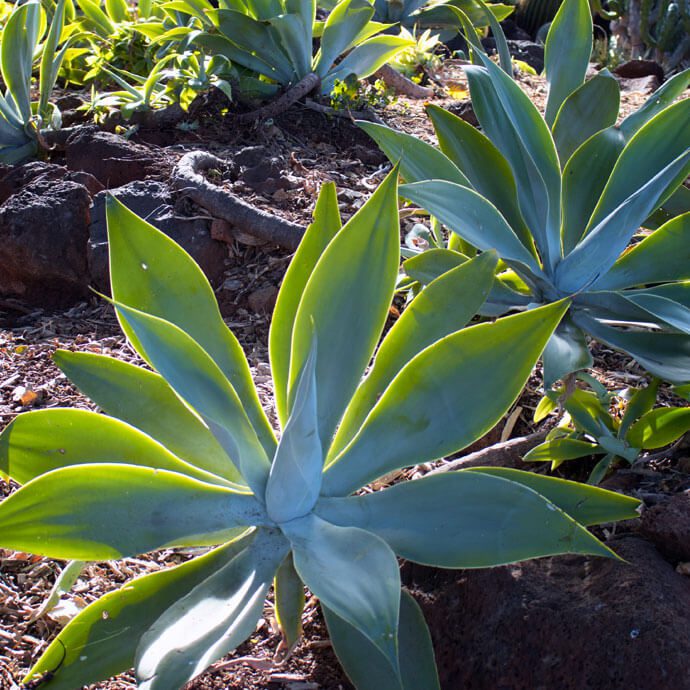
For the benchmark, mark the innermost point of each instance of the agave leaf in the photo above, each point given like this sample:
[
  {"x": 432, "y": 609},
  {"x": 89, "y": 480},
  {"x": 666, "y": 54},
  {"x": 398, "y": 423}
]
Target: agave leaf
[
  {"x": 664, "y": 309},
  {"x": 101, "y": 641},
  {"x": 321, "y": 231},
  {"x": 472, "y": 217},
  {"x": 289, "y": 601},
  {"x": 345, "y": 304},
  {"x": 517, "y": 129},
  {"x": 566, "y": 69},
  {"x": 427, "y": 266},
  {"x": 63, "y": 584},
  {"x": 658, "y": 428},
  {"x": 418, "y": 160},
  {"x": 666, "y": 355},
  {"x": 641, "y": 402},
  {"x": 153, "y": 274},
  {"x": 589, "y": 109},
  {"x": 649, "y": 152},
  {"x": 443, "y": 307},
  {"x": 662, "y": 256},
  {"x": 44, "y": 440},
  {"x": 295, "y": 479},
  {"x": 19, "y": 38},
  {"x": 354, "y": 573},
  {"x": 664, "y": 96},
  {"x": 295, "y": 39},
  {"x": 560, "y": 449},
  {"x": 198, "y": 381},
  {"x": 105, "y": 511},
  {"x": 464, "y": 520},
  {"x": 365, "y": 59},
  {"x": 431, "y": 408},
  {"x": 144, "y": 400},
  {"x": 599, "y": 250},
  {"x": 585, "y": 504},
  {"x": 368, "y": 669},
  {"x": 343, "y": 25},
  {"x": 212, "y": 619},
  {"x": 485, "y": 167},
  {"x": 565, "y": 352}
]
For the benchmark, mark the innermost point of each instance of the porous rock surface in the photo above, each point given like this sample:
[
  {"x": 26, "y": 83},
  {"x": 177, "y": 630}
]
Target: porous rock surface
[{"x": 570, "y": 622}]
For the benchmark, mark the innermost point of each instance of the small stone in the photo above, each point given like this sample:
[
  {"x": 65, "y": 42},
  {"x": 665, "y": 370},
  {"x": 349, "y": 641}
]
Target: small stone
[{"x": 263, "y": 299}]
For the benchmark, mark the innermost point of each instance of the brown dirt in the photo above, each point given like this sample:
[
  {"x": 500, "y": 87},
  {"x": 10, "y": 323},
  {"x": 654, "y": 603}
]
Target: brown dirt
[{"x": 316, "y": 148}]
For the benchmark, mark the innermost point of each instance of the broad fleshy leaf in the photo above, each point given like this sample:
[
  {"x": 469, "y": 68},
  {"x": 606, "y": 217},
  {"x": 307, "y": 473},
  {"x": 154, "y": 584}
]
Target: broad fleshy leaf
[
  {"x": 418, "y": 160},
  {"x": 368, "y": 669},
  {"x": 565, "y": 352},
  {"x": 289, "y": 601},
  {"x": 196, "y": 378},
  {"x": 151, "y": 273},
  {"x": 464, "y": 520},
  {"x": 659, "y": 427},
  {"x": 352, "y": 572},
  {"x": 443, "y": 307},
  {"x": 215, "y": 617},
  {"x": 432, "y": 407},
  {"x": 562, "y": 449},
  {"x": 565, "y": 69},
  {"x": 97, "y": 512},
  {"x": 102, "y": 640},
  {"x": 345, "y": 304},
  {"x": 320, "y": 232},
  {"x": 144, "y": 400},
  {"x": 295, "y": 479},
  {"x": 38, "y": 442}
]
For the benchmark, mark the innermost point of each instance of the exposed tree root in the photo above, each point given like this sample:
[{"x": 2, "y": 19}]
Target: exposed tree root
[
  {"x": 187, "y": 178},
  {"x": 280, "y": 105},
  {"x": 506, "y": 454},
  {"x": 402, "y": 85}
]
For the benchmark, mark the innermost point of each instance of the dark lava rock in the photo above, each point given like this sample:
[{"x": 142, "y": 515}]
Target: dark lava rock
[
  {"x": 154, "y": 202},
  {"x": 667, "y": 525},
  {"x": 44, "y": 229},
  {"x": 111, "y": 159},
  {"x": 260, "y": 171},
  {"x": 636, "y": 69},
  {"x": 13, "y": 178},
  {"x": 569, "y": 623}
]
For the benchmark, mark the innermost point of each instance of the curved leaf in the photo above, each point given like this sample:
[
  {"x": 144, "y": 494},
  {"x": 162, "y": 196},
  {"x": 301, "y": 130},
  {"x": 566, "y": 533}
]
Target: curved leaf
[
  {"x": 144, "y": 400},
  {"x": 343, "y": 25},
  {"x": 345, "y": 304},
  {"x": 485, "y": 167},
  {"x": 354, "y": 573},
  {"x": 368, "y": 669},
  {"x": 212, "y": 619},
  {"x": 101, "y": 640},
  {"x": 151, "y": 273},
  {"x": 98, "y": 512},
  {"x": 443, "y": 307},
  {"x": 658, "y": 428},
  {"x": 472, "y": 217},
  {"x": 589, "y": 109},
  {"x": 444, "y": 399},
  {"x": 566, "y": 351},
  {"x": 44, "y": 440},
  {"x": 289, "y": 602},
  {"x": 662, "y": 256},
  {"x": 295, "y": 479},
  {"x": 464, "y": 520},
  {"x": 584, "y": 179},
  {"x": 320, "y": 232},
  {"x": 197, "y": 379},
  {"x": 431, "y": 264},
  {"x": 418, "y": 160}
]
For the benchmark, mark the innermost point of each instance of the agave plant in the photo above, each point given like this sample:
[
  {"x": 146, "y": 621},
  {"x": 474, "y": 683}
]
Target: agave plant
[
  {"x": 22, "y": 120},
  {"x": 588, "y": 427},
  {"x": 188, "y": 457},
  {"x": 274, "y": 39},
  {"x": 560, "y": 198}
]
